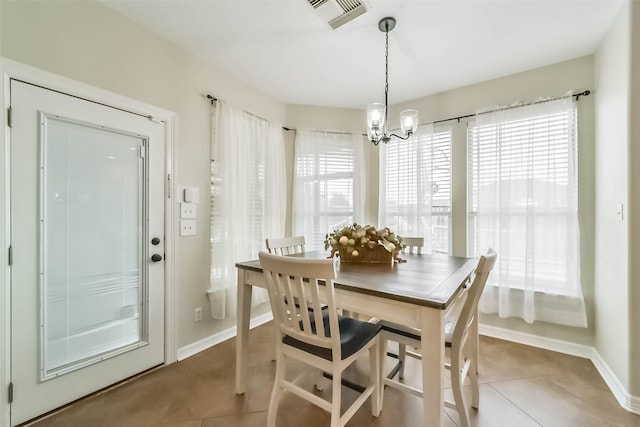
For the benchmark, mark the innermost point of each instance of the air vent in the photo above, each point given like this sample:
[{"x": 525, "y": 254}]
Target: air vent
[{"x": 338, "y": 12}]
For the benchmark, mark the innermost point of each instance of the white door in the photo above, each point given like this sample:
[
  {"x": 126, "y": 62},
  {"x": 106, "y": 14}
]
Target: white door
[{"x": 87, "y": 240}]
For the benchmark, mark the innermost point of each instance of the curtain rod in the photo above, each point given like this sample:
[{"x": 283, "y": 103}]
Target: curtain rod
[
  {"x": 335, "y": 132},
  {"x": 214, "y": 99},
  {"x": 576, "y": 95}
]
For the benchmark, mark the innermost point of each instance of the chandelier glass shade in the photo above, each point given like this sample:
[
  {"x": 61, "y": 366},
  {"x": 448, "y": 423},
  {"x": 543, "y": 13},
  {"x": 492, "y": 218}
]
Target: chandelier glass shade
[{"x": 377, "y": 113}]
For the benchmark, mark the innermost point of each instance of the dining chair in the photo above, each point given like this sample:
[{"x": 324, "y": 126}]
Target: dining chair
[
  {"x": 319, "y": 338},
  {"x": 285, "y": 245},
  {"x": 461, "y": 343},
  {"x": 413, "y": 244}
]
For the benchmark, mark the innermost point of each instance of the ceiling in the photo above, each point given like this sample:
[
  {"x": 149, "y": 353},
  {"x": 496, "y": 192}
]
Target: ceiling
[{"x": 284, "y": 49}]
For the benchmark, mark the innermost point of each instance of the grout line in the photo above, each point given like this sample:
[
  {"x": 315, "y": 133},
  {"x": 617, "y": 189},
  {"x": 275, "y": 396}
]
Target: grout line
[{"x": 514, "y": 404}]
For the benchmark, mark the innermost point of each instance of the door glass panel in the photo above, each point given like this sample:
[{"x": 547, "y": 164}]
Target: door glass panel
[{"x": 92, "y": 218}]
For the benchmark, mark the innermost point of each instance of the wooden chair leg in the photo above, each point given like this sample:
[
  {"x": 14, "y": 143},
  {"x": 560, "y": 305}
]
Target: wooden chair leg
[
  {"x": 375, "y": 373},
  {"x": 321, "y": 381},
  {"x": 402, "y": 358},
  {"x": 456, "y": 387},
  {"x": 336, "y": 398},
  {"x": 382, "y": 354},
  {"x": 277, "y": 392},
  {"x": 475, "y": 390}
]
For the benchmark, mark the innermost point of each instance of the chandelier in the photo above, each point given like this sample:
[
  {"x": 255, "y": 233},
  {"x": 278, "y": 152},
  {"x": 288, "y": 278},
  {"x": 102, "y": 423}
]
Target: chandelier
[{"x": 377, "y": 113}]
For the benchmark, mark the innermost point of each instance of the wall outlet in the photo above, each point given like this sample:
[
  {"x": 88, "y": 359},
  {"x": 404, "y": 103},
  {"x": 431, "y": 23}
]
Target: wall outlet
[
  {"x": 188, "y": 210},
  {"x": 197, "y": 314},
  {"x": 187, "y": 227}
]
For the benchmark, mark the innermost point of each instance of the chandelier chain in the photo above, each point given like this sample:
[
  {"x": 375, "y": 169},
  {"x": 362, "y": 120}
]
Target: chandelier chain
[
  {"x": 386, "y": 79},
  {"x": 386, "y": 67}
]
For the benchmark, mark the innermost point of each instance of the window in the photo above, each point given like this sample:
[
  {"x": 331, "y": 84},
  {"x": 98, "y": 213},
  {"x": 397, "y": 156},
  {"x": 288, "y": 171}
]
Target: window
[
  {"x": 415, "y": 187},
  {"x": 441, "y": 188},
  {"x": 327, "y": 184},
  {"x": 523, "y": 203}
]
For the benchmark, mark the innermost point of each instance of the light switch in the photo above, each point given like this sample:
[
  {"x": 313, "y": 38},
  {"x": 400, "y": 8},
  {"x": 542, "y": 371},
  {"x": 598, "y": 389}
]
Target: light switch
[
  {"x": 188, "y": 210},
  {"x": 191, "y": 194}
]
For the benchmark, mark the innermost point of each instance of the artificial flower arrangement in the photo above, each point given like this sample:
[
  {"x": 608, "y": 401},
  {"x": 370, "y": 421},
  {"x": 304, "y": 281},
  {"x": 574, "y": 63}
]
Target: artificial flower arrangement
[{"x": 358, "y": 243}]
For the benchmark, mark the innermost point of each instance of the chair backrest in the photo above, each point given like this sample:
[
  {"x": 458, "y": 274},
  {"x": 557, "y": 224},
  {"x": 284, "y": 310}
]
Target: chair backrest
[
  {"x": 305, "y": 281},
  {"x": 474, "y": 291},
  {"x": 285, "y": 245},
  {"x": 413, "y": 243}
]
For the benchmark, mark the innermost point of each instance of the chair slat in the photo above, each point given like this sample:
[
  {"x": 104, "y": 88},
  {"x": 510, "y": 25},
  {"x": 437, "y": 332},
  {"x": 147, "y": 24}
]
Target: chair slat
[
  {"x": 413, "y": 244},
  {"x": 285, "y": 245}
]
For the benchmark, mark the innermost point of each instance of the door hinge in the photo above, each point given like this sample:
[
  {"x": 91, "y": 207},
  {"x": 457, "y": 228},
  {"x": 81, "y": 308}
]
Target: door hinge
[
  {"x": 169, "y": 186},
  {"x": 9, "y": 117},
  {"x": 142, "y": 149},
  {"x": 10, "y": 255},
  {"x": 10, "y": 393}
]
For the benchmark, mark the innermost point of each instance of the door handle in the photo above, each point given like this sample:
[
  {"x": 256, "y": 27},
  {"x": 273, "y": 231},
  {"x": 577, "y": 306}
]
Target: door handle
[
  {"x": 155, "y": 241},
  {"x": 156, "y": 257}
]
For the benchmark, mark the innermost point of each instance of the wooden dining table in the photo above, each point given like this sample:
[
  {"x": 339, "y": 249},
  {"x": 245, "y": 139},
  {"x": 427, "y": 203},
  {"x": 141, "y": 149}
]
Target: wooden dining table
[{"x": 416, "y": 293}]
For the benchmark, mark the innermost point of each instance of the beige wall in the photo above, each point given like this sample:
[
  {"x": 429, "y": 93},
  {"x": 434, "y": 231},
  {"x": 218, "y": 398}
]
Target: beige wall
[
  {"x": 634, "y": 195},
  {"x": 92, "y": 44},
  {"x": 611, "y": 266}
]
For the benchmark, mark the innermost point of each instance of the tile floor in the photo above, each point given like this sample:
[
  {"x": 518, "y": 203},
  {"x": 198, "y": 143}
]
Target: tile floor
[{"x": 521, "y": 386}]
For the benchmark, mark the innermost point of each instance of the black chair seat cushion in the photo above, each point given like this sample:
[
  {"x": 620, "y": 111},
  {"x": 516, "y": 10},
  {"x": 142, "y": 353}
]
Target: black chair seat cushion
[
  {"x": 406, "y": 331},
  {"x": 354, "y": 334}
]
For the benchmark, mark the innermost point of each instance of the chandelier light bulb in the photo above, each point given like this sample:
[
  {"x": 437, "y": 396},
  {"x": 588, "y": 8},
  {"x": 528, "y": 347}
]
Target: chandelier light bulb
[
  {"x": 409, "y": 122},
  {"x": 376, "y": 116}
]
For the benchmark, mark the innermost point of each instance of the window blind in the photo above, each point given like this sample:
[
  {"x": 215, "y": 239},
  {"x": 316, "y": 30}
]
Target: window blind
[
  {"x": 416, "y": 187},
  {"x": 441, "y": 188},
  {"x": 326, "y": 183},
  {"x": 523, "y": 202},
  {"x": 533, "y": 148},
  {"x": 523, "y": 168}
]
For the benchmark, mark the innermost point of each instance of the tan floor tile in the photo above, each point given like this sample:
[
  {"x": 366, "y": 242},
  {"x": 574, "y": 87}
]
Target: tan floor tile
[
  {"x": 521, "y": 387},
  {"x": 503, "y": 360},
  {"x": 252, "y": 419},
  {"x": 494, "y": 410},
  {"x": 404, "y": 410},
  {"x": 189, "y": 423},
  {"x": 547, "y": 402}
]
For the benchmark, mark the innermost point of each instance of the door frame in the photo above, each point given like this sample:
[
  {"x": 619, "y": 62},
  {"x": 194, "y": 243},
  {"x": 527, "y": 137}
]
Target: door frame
[{"x": 14, "y": 70}]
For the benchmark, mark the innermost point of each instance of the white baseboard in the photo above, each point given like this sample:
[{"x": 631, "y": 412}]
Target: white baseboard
[
  {"x": 210, "y": 341},
  {"x": 578, "y": 350},
  {"x": 625, "y": 399}
]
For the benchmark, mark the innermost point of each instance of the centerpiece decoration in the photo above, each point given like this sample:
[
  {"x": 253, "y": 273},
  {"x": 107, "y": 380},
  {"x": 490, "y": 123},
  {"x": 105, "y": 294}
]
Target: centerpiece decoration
[{"x": 357, "y": 243}]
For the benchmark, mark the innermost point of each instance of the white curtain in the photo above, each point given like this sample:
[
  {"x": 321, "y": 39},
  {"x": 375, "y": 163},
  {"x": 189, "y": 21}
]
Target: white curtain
[
  {"x": 248, "y": 192},
  {"x": 406, "y": 185},
  {"x": 329, "y": 183},
  {"x": 524, "y": 182}
]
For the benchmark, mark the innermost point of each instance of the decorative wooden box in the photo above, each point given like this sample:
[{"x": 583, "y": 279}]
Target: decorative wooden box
[{"x": 377, "y": 254}]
